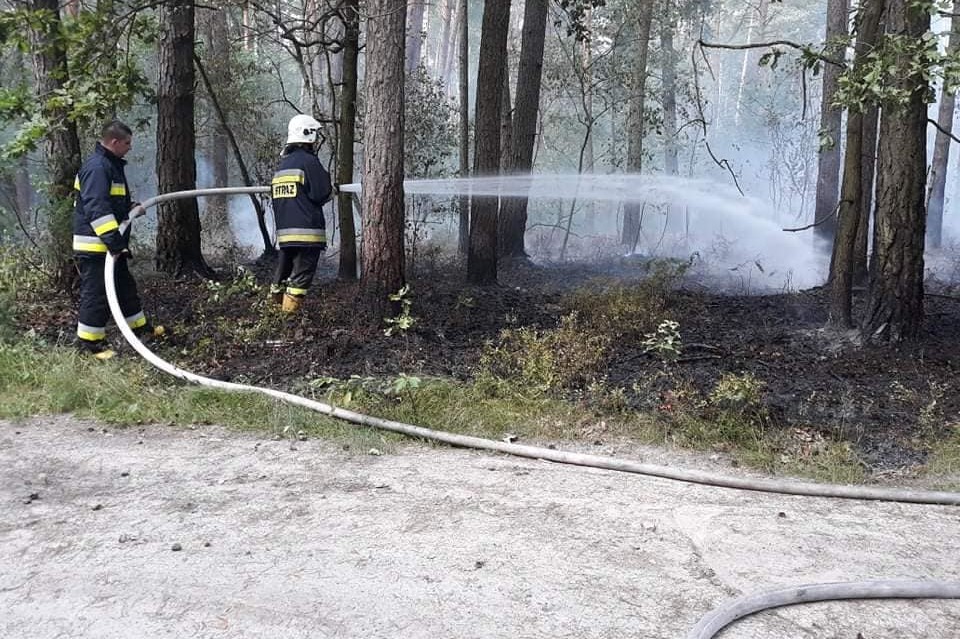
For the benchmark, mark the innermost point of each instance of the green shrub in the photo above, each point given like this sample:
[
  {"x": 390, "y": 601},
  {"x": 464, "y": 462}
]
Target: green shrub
[{"x": 550, "y": 360}]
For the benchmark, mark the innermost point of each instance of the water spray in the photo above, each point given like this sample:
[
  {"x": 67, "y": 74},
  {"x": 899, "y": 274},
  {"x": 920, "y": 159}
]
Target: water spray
[{"x": 709, "y": 625}]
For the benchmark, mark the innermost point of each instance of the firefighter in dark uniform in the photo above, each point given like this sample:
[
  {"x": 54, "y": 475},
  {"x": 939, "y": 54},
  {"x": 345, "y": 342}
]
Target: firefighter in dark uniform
[
  {"x": 103, "y": 203},
  {"x": 299, "y": 189}
]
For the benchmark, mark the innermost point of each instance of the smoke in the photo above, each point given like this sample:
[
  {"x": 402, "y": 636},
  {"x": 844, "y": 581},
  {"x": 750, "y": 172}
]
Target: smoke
[{"x": 733, "y": 237}]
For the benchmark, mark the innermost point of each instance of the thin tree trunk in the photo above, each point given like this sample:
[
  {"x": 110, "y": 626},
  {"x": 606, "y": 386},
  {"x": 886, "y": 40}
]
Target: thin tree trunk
[
  {"x": 62, "y": 143},
  {"x": 268, "y": 248},
  {"x": 941, "y": 146},
  {"x": 463, "y": 241},
  {"x": 506, "y": 124},
  {"x": 348, "y": 122},
  {"x": 513, "y": 211},
  {"x": 217, "y": 49},
  {"x": 828, "y": 170},
  {"x": 414, "y": 34},
  {"x": 482, "y": 254},
  {"x": 638, "y": 90},
  {"x": 383, "y": 218},
  {"x": 671, "y": 165},
  {"x": 178, "y": 222},
  {"x": 756, "y": 31},
  {"x": 453, "y": 45},
  {"x": 850, "y": 212},
  {"x": 868, "y": 169},
  {"x": 23, "y": 189},
  {"x": 447, "y": 20},
  {"x": 895, "y": 305}
]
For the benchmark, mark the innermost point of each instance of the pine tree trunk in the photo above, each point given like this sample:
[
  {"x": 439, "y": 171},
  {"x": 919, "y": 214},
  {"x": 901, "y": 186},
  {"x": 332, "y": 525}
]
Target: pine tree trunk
[
  {"x": 895, "y": 305},
  {"x": 447, "y": 20},
  {"x": 482, "y": 254},
  {"x": 62, "y": 144},
  {"x": 506, "y": 124},
  {"x": 845, "y": 244},
  {"x": 513, "y": 211},
  {"x": 178, "y": 221},
  {"x": 463, "y": 239},
  {"x": 348, "y": 123},
  {"x": 414, "y": 34},
  {"x": 217, "y": 64},
  {"x": 383, "y": 216},
  {"x": 941, "y": 146},
  {"x": 828, "y": 170},
  {"x": 638, "y": 90}
]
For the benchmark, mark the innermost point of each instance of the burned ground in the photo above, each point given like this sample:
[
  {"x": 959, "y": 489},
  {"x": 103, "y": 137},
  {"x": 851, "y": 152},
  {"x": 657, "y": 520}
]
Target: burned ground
[{"x": 884, "y": 400}]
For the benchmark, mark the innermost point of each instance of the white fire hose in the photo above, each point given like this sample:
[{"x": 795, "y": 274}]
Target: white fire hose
[{"x": 710, "y": 624}]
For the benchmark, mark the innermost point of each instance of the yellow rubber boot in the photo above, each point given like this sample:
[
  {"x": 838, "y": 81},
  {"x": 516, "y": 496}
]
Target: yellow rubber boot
[{"x": 291, "y": 303}]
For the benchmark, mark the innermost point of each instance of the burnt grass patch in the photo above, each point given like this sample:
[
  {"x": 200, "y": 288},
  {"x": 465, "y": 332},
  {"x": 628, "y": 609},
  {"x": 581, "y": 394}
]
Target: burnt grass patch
[{"x": 888, "y": 403}]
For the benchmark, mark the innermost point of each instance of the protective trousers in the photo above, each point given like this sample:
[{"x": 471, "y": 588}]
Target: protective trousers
[
  {"x": 295, "y": 270},
  {"x": 94, "y": 311}
]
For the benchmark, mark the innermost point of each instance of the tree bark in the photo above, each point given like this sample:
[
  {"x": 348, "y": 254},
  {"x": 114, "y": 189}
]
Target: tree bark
[
  {"x": 828, "y": 170},
  {"x": 217, "y": 64},
  {"x": 506, "y": 123},
  {"x": 447, "y": 20},
  {"x": 178, "y": 222},
  {"x": 62, "y": 143},
  {"x": 348, "y": 122},
  {"x": 513, "y": 211},
  {"x": 463, "y": 240},
  {"x": 383, "y": 218},
  {"x": 868, "y": 169},
  {"x": 852, "y": 191},
  {"x": 414, "y": 34},
  {"x": 482, "y": 254},
  {"x": 941, "y": 145},
  {"x": 635, "y": 115},
  {"x": 895, "y": 305}
]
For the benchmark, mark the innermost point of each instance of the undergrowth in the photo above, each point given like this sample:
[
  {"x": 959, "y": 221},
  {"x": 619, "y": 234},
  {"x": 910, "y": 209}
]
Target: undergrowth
[{"x": 531, "y": 384}]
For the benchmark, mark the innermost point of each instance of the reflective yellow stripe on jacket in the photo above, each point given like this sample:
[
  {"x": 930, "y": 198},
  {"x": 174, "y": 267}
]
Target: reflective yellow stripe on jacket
[
  {"x": 88, "y": 244},
  {"x": 104, "y": 224},
  {"x": 308, "y": 236}
]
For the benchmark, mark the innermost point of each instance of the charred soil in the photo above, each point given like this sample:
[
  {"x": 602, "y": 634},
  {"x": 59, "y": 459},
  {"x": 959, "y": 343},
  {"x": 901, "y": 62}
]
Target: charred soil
[{"x": 885, "y": 401}]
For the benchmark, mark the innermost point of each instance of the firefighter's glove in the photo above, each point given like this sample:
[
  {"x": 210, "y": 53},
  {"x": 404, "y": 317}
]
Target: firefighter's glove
[
  {"x": 125, "y": 254},
  {"x": 136, "y": 210},
  {"x": 336, "y": 189}
]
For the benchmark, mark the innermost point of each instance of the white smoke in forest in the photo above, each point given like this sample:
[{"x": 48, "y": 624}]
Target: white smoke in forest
[{"x": 734, "y": 238}]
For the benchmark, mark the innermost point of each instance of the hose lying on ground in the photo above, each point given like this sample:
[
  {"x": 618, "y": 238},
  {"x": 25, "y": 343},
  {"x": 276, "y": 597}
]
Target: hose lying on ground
[
  {"x": 711, "y": 623},
  {"x": 718, "y": 619}
]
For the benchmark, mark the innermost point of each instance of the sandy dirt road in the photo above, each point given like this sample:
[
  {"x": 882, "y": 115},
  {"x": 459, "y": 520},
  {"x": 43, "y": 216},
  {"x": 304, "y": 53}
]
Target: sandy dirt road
[{"x": 287, "y": 540}]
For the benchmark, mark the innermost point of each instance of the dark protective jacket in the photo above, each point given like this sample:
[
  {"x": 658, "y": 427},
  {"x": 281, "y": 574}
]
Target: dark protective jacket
[
  {"x": 103, "y": 203},
  {"x": 299, "y": 189}
]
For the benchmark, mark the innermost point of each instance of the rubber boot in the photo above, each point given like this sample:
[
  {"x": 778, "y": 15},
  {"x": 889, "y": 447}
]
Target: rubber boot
[
  {"x": 291, "y": 303},
  {"x": 98, "y": 349},
  {"x": 150, "y": 333},
  {"x": 276, "y": 299}
]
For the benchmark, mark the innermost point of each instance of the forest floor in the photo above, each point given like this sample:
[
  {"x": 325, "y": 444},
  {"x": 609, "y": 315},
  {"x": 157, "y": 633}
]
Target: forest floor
[{"x": 887, "y": 403}]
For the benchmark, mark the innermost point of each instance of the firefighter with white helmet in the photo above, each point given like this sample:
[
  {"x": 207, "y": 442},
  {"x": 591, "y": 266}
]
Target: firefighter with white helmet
[{"x": 299, "y": 189}]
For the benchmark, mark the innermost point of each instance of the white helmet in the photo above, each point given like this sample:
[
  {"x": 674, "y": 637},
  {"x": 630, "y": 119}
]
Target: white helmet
[{"x": 302, "y": 129}]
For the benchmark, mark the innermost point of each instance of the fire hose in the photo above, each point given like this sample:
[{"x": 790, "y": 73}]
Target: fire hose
[{"x": 709, "y": 625}]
